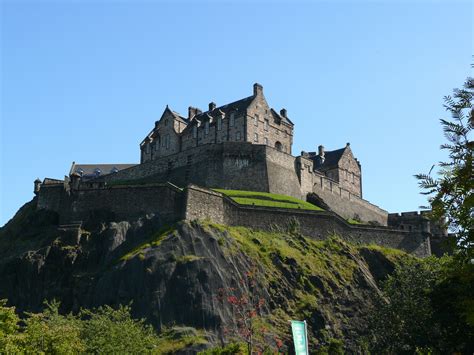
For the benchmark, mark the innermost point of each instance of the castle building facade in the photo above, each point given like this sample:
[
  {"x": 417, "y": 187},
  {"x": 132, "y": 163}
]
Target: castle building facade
[{"x": 250, "y": 119}]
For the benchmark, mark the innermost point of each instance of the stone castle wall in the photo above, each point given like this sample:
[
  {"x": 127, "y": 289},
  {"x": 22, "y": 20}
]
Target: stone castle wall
[
  {"x": 346, "y": 204},
  {"x": 117, "y": 202},
  {"x": 173, "y": 204},
  {"x": 252, "y": 167},
  {"x": 315, "y": 224}
]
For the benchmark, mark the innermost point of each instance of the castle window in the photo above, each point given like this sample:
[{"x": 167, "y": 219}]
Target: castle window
[
  {"x": 255, "y": 120},
  {"x": 278, "y": 146},
  {"x": 255, "y": 138},
  {"x": 232, "y": 119},
  {"x": 195, "y": 132},
  {"x": 166, "y": 122},
  {"x": 219, "y": 124},
  {"x": 237, "y": 136},
  {"x": 147, "y": 148},
  {"x": 265, "y": 140},
  {"x": 167, "y": 141},
  {"x": 206, "y": 128},
  {"x": 265, "y": 126}
]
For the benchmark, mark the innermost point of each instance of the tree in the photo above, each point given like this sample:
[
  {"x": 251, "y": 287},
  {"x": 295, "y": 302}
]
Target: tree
[
  {"x": 451, "y": 193},
  {"x": 107, "y": 330},
  {"x": 402, "y": 321},
  {"x": 247, "y": 309}
]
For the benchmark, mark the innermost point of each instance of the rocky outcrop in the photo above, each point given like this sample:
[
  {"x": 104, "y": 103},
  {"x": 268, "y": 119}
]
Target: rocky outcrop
[{"x": 174, "y": 274}]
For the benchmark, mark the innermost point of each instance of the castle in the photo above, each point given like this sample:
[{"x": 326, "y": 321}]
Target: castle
[{"x": 243, "y": 145}]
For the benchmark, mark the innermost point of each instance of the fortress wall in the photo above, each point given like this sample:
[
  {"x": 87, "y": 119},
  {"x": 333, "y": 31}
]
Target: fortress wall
[
  {"x": 230, "y": 165},
  {"x": 282, "y": 177},
  {"x": 127, "y": 201},
  {"x": 346, "y": 204},
  {"x": 315, "y": 224},
  {"x": 202, "y": 203},
  {"x": 116, "y": 202},
  {"x": 49, "y": 197}
]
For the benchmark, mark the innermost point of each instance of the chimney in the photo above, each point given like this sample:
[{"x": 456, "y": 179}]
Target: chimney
[
  {"x": 212, "y": 106},
  {"x": 257, "y": 89},
  {"x": 283, "y": 112},
  {"x": 321, "y": 151},
  {"x": 193, "y": 111}
]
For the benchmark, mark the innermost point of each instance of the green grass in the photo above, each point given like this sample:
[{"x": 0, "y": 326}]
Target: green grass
[
  {"x": 267, "y": 199},
  {"x": 354, "y": 221},
  {"x": 154, "y": 241}
]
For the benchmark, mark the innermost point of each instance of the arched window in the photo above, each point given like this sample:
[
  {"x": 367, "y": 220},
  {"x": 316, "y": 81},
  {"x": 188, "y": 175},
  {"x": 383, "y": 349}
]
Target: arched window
[{"x": 278, "y": 146}]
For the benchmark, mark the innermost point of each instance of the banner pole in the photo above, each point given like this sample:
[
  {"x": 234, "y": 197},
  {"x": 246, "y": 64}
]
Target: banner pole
[{"x": 306, "y": 332}]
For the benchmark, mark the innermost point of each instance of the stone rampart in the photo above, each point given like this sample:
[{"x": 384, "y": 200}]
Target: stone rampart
[
  {"x": 346, "y": 204},
  {"x": 314, "y": 224},
  {"x": 117, "y": 202}
]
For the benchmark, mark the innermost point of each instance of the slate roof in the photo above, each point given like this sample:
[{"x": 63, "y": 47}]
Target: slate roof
[
  {"x": 331, "y": 158},
  {"x": 95, "y": 170},
  {"x": 239, "y": 105}
]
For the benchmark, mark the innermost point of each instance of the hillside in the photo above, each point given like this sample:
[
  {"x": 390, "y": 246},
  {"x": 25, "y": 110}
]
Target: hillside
[{"x": 174, "y": 274}]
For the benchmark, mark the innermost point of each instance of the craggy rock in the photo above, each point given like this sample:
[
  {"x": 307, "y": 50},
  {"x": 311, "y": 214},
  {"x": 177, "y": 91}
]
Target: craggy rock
[{"x": 175, "y": 274}]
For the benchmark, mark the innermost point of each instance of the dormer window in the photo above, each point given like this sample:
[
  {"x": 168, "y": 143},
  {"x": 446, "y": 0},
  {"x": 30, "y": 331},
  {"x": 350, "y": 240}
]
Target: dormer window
[
  {"x": 97, "y": 171},
  {"x": 80, "y": 171},
  {"x": 114, "y": 170}
]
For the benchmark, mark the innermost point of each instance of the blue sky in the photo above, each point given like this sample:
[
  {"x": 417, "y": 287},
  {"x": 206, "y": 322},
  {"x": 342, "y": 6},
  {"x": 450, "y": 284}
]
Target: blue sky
[{"x": 85, "y": 81}]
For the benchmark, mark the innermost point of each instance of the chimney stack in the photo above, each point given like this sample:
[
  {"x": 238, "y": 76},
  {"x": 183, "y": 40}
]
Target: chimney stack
[
  {"x": 212, "y": 106},
  {"x": 321, "y": 151},
  {"x": 283, "y": 112},
  {"x": 193, "y": 111},
  {"x": 257, "y": 89}
]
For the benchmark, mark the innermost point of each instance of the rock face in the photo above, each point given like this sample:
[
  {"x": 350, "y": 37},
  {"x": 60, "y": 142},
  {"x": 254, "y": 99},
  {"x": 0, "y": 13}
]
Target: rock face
[{"x": 175, "y": 274}]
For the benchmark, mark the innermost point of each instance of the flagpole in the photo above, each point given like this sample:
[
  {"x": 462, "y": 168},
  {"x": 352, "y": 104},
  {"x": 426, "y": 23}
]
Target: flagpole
[{"x": 306, "y": 331}]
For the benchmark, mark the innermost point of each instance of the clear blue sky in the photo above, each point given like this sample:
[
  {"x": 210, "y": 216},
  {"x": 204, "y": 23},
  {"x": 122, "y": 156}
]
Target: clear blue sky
[{"x": 85, "y": 81}]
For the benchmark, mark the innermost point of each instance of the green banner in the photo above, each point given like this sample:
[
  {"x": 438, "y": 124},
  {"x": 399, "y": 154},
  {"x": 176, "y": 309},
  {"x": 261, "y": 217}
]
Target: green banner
[{"x": 300, "y": 337}]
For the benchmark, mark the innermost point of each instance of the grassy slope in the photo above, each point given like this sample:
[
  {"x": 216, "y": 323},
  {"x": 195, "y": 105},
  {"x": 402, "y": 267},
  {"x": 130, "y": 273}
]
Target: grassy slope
[
  {"x": 321, "y": 271},
  {"x": 267, "y": 199}
]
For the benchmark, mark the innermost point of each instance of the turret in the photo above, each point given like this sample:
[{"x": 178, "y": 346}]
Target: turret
[
  {"x": 37, "y": 186},
  {"x": 75, "y": 180}
]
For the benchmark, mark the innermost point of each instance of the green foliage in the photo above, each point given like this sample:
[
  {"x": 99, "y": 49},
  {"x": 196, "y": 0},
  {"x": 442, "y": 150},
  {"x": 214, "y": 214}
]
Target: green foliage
[
  {"x": 267, "y": 199},
  {"x": 175, "y": 339},
  {"x": 334, "y": 347},
  {"x": 422, "y": 309},
  {"x": 451, "y": 194},
  {"x": 104, "y": 330},
  {"x": 230, "y": 349},
  {"x": 8, "y": 328},
  {"x": 107, "y": 330},
  {"x": 51, "y": 333},
  {"x": 155, "y": 240},
  {"x": 353, "y": 221}
]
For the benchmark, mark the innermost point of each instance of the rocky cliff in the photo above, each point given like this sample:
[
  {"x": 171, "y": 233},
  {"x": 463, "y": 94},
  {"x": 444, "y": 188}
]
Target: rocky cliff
[{"x": 175, "y": 274}]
